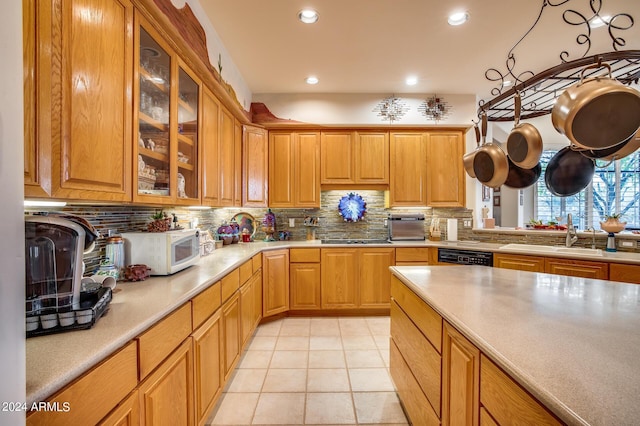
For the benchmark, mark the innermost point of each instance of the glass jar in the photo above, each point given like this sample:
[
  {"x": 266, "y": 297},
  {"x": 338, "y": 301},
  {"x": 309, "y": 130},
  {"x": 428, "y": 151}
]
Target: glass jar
[{"x": 115, "y": 254}]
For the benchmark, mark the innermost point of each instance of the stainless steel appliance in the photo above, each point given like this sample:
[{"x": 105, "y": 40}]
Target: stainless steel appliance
[
  {"x": 465, "y": 257},
  {"x": 406, "y": 227}
]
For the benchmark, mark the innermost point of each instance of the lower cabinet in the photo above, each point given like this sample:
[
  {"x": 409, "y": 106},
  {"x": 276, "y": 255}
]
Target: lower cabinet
[
  {"x": 126, "y": 414},
  {"x": 207, "y": 343},
  {"x": 304, "y": 279},
  {"x": 624, "y": 273},
  {"x": 374, "y": 276},
  {"x": 460, "y": 378},
  {"x": 231, "y": 325},
  {"x": 577, "y": 268},
  {"x": 166, "y": 396},
  {"x": 275, "y": 282},
  {"x": 520, "y": 263},
  {"x": 246, "y": 311}
]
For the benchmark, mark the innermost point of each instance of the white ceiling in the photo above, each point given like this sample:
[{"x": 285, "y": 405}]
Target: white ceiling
[{"x": 371, "y": 46}]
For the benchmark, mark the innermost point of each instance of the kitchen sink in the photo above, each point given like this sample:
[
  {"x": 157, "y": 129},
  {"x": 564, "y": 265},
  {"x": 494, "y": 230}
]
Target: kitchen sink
[{"x": 534, "y": 248}]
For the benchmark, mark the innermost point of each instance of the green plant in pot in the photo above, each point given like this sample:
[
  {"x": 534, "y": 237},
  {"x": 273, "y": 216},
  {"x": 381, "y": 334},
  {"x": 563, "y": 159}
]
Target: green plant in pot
[
  {"x": 612, "y": 223},
  {"x": 160, "y": 222}
]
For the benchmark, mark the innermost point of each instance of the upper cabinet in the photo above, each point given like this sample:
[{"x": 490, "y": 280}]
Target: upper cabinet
[
  {"x": 358, "y": 158},
  {"x": 255, "y": 167},
  {"x": 210, "y": 147},
  {"x": 167, "y": 103},
  {"x": 445, "y": 174},
  {"x": 78, "y": 109},
  {"x": 407, "y": 184},
  {"x": 294, "y": 169}
]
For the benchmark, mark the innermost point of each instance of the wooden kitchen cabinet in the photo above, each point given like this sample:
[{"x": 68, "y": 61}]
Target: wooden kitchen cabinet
[
  {"x": 339, "y": 281},
  {"x": 256, "y": 279},
  {"x": 237, "y": 170},
  {"x": 294, "y": 169},
  {"x": 576, "y": 268},
  {"x": 625, "y": 273},
  {"x": 246, "y": 312},
  {"x": 95, "y": 394},
  {"x": 275, "y": 282},
  {"x": 506, "y": 401},
  {"x": 460, "y": 379},
  {"x": 304, "y": 279},
  {"x": 208, "y": 377},
  {"x": 518, "y": 262},
  {"x": 210, "y": 139},
  {"x": 255, "y": 167},
  {"x": 414, "y": 256},
  {"x": 231, "y": 326},
  {"x": 445, "y": 178},
  {"x": 226, "y": 158},
  {"x": 374, "y": 277},
  {"x": 408, "y": 169},
  {"x": 78, "y": 106},
  {"x": 167, "y": 395},
  {"x": 127, "y": 413},
  {"x": 354, "y": 158}
]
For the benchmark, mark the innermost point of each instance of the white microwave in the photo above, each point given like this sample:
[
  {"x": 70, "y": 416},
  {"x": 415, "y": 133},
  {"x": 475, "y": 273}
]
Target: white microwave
[{"x": 164, "y": 252}]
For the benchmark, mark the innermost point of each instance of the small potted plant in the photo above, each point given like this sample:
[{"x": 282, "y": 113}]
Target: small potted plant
[
  {"x": 612, "y": 223},
  {"x": 225, "y": 233},
  {"x": 161, "y": 222}
]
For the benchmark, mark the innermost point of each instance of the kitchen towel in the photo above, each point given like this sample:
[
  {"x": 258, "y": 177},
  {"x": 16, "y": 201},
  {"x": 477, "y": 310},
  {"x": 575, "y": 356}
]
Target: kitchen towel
[{"x": 452, "y": 229}]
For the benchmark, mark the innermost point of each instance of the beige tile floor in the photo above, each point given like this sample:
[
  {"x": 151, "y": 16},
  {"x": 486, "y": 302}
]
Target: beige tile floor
[{"x": 313, "y": 371}]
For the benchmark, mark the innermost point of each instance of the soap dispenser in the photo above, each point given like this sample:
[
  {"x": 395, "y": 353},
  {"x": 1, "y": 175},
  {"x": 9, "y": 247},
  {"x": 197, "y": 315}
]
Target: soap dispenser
[{"x": 611, "y": 242}]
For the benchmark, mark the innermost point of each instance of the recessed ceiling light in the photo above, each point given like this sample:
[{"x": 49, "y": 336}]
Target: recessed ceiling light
[
  {"x": 312, "y": 80},
  {"x": 599, "y": 21},
  {"x": 458, "y": 18},
  {"x": 411, "y": 81},
  {"x": 308, "y": 16}
]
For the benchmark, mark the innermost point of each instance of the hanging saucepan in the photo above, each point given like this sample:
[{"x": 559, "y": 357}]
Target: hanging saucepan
[
  {"x": 568, "y": 172},
  {"x": 524, "y": 143},
  {"x": 628, "y": 148},
  {"x": 519, "y": 178},
  {"x": 597, "y": 112},
  {"x": 490, "y": 162},
  {"x": 467, "y": 159}
]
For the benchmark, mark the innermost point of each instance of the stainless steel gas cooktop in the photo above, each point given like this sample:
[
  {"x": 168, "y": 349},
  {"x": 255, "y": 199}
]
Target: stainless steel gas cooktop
[{"x": 356, "y": 241}]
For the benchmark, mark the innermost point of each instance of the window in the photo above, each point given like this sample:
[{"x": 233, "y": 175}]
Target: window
[{"x": 615, "y": 187}]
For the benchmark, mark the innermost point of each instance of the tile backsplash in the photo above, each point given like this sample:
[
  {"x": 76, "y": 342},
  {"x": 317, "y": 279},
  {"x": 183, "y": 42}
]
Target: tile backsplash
[{"x": 127, "y": 218}]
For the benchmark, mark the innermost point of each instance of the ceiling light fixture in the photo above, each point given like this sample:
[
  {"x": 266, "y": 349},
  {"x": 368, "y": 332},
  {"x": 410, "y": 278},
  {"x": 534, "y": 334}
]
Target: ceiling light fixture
[
  {"x": 598, "y": 21},
  {"x": 312, "y": 80},
  {"x": 507, "y": 83},
  {"x": 308, "y": 16},
  {"x": 458, "y": 18},
  {"x": 411, "y": 81}
]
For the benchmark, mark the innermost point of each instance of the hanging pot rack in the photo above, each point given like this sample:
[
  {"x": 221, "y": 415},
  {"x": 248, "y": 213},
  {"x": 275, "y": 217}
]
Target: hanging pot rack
[{"x": 539, "y": 92}]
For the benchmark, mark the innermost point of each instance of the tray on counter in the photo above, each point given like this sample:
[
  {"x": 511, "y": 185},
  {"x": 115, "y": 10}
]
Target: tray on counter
[{"x": 92, "y": 306}]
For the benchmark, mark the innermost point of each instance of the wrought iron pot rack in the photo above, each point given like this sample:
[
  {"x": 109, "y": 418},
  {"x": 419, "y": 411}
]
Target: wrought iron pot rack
[{"x": 538, "y": 93}]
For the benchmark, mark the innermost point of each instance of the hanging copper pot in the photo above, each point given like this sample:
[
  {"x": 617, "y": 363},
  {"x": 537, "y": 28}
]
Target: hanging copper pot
[
  {"x": 524, "y": 143},
  {"x": 568, "y": 172},
  {"x": 519, "y": 178},
  {"x": 626, "y": 149},
  {"x": 598, "y": 112},
  {"x": 490, "y": 163},
  {"x": 467, "y": 159}
]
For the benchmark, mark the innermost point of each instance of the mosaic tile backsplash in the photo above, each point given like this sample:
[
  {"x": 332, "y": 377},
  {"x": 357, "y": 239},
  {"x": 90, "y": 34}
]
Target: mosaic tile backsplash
[{"x": 127, "y": 218}]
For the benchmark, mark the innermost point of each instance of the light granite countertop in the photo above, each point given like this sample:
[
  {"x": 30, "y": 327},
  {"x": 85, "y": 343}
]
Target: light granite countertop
[
  {"x": 573, "y": 343},
  {"x": 55, "y": 360}
]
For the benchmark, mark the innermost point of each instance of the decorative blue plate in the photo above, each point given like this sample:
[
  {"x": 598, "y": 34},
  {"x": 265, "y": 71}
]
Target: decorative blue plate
[
  {"x": 352, "y": 207},
  {"x": 246, "y": 221}
]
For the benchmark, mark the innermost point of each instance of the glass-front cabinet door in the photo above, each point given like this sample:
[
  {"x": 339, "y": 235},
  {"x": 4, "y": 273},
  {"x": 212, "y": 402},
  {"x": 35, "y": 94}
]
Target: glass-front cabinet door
[
  {"x": 187, "y": 136},
  {"x": 167, "y": 95}
]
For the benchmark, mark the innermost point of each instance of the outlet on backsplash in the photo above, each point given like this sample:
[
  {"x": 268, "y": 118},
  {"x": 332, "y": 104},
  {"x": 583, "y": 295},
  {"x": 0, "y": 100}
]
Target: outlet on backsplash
[{"x": 466, "y": 223}]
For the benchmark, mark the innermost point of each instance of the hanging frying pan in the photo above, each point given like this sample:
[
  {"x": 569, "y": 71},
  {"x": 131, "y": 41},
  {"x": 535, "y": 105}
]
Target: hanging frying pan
[
  {"x": 519, "y": 178},
  {"x": 628, "y": 148},
  {"x": 524, "y": 143},
  {"x": 490, "y": 162},
  {"x": 568, "y": 172},
  {"x": 597, "y": 112},
  {"x": 467, "y": 159}
]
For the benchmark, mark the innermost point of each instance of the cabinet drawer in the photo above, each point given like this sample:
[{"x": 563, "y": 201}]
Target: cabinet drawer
[
  {"x": 624, "y": 273},
  {"x": 424, "y": 361},
  {"x": 424, "y": 317},
  {"x": 245, "y": 271},
  {"x": 256, "y": 262},
  {"x": 161, "y": 339},
  {"x": 230, "y": 283},
  {"x": 304, "y": 255},
  {"x": 577, "y": 268},
  {"x": 412, "y": 254},
  {"x": 520, "y": 263},
  {"x": 205, "y": 304},
  {"x": 96, "y": 393},
  {"x": 415, "y": 403},
  {"x": 507, "y": 401}
]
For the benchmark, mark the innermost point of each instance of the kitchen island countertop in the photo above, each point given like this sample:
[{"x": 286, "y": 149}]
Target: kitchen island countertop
[{"x": 573, "y": 343}]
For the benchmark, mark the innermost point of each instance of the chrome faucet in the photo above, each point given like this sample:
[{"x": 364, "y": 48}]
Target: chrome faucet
[
  {"x": 593, "y": 236},
  {"x": 572, "y": 235}
]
